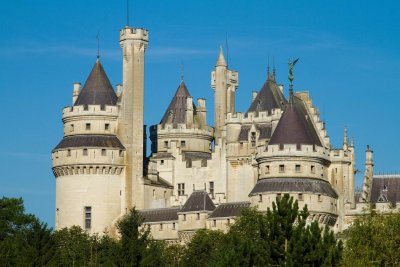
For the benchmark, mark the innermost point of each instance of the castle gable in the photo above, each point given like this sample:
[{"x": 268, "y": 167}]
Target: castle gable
[
  {"x": 198, "y": 201},
  {"x": 270, "y": 97}
]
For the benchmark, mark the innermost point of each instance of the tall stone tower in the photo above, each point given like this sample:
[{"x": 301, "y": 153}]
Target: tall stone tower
[
  {"x": 224, "y": 83},
  {"x": 89, "y": 161},
  {"x": 133, "y": 42},
  {"x": 369, "y": 173}
]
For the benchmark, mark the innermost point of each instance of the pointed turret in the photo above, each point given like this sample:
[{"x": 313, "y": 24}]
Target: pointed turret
[
  {"x": 269, "y": 97},
  {"x": 97, "y": 89},
  {"x": 176, "y": 111},
  {"x": 221, "y": 59},
  {"x": 295, "y": 126}
]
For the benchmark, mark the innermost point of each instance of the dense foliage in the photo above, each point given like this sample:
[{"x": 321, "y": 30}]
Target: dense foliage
[{"x": 279, "y": 237}]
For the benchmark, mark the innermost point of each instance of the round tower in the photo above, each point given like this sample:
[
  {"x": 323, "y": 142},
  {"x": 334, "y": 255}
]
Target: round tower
[
  {"x": 89, "y": 160},
  {"x": 296, "y": 162}
]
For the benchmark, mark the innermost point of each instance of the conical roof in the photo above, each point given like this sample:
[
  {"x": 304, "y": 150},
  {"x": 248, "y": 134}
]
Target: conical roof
[
  {"x": 221, "y": 59},
  {"x": 97, "y": 89},
  {"x": 295, "y": 125},
  {"x": 176, "y": 111},
  {"x": 268, "y": 98}
]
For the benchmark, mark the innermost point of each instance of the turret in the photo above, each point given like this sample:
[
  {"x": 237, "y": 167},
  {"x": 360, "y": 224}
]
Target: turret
[
  {"x": 224, "y": 83},
  {"x": 369, "y": 172},
  {"x": 133, "y": 42}
]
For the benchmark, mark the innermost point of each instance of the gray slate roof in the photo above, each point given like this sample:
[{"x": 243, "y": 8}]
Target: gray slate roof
[
  {"x": 387, "y": 186},
  {"x": 302, "y": 185},
  {"x": 196, "y": 155},
  {"x": 232, "y": 209},
  {"x": 295, "y": 126},
  {"x": 97, "y": 89},
  {"x": 176, "y": 111},
  {"x": 198, "y": 201},
  {"x": 160, "y": 215},
  {"x": 106, "y": 141},
  {"x": 264, "y": 129},
  {"x": 268, "y": 98}
]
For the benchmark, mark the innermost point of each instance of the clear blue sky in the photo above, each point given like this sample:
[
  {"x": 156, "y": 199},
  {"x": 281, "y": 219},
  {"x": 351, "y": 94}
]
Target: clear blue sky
[{"x": 348, "y": 50}]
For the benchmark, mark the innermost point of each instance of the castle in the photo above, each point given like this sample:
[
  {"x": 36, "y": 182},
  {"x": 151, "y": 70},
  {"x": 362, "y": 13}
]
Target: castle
[{"x": 197, "y": 176}]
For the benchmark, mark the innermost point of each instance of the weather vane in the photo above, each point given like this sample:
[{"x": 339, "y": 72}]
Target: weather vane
[{"x": 291, "y": 76}]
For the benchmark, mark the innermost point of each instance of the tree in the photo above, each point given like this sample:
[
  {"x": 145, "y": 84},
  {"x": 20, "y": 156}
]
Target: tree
[{"x": 373, "y": 240}]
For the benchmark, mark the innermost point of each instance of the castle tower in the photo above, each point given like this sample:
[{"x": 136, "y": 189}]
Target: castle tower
[
  {"x": 89, "y": 160},
  {"x": 369, "y": 173},
  {"x": 296, "y": 162},
  {"x": 224, "y": 83},
  {"x": 133, "y": 42}
]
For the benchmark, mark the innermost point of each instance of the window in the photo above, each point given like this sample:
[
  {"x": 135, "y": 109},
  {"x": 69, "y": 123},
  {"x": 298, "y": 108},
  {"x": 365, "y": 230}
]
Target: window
[
  {"x": 87, "y": 126},
  {"x": 162, "y": 162},
  {"x": 188, "y": 163},
  {"x": 198, "y": 216},
  {"x": 278, "y": 196},
  {"x": 259, "y": 198},
  {"x": 154, "y": 193},
  {"x": 69, "y": 153},
  {"x": 281, "y": 146},
  {"x": 319, "y": 198},
  {"x": 228, "y": 222},
  {"x": 121, "y": 153},
  {"x": 267, "y": 169},
  {"x": 166, "y": 144},
  {"x": 312, "y": 169},
  {"x": 107, "y": 126},
  {"x": 253, "y": 139},
  {"x": 183, "y": 143},
  {"x": 173, "y": 226},
  {"x": 85, "y": 152},
  {"x": 204, "y": 163},
  {"x": 88, "y": 217},
  {"x": 281, "y": 168},
  {"x": 214, "y": 223},
  {"x": 212, "y": 189},
  {"x": 161, "y": 226},
  {"x": 298, "y": 168},
  {"x": 181, "y": 189},
  {"x": 71, "y": 128},
  {"x": 103, "y": 152},
  {"x": 165, "y": 194},
  {"x": 300, "y": 197},
  {"x": 184, "y": 217},
  {"x": 241, "y": 144}
]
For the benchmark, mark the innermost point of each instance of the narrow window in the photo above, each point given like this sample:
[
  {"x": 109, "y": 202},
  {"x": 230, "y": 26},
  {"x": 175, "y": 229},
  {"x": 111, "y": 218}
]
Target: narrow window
[
  {"x": 161, "y": 226},
  {"x": 253, "y": 139},
  {"x": 188, "y": 163},
  {"x": 103, "y": 152},
  {"x": 121, "y": 153},
  {"x": 267, "y": 169},
  {"x": 166, "y": 144},
  {"x": 183, "y": 143},
  {"x": 198, "y": 216},
  {"x": 85, "y": 152},
  {"x": 87, "y": 126},
  {"x": 154, "y": 193},
  {"x": 184, "y": 217},
  {"x": 260, "y": 198},
  {"x": 162, "y": 162},
  {"x": 228, "y": 222},
  {"x": 181, "y": 189},
  {"x": 212, "y": 189},
  {"x": 88, "y": 217},
  {"x": 312, "y": 169},
  {"x": 165, "y": 194},
  {"x": 71, "y": 129},
  {"x": 241, "y": 144},
  {"x": 281, "y": 168},
  {"x": 204, "y": 163},
  {"x": 319, "y": 198},
  {"x": 214, "y": 223},
  {"x": 298, "y": 168},
  {"x": 173, "y": 226},
  {"x": 107, "y": 126},
  {"x": 281, "y": 147},
  {"x": 69, "y": 153},
  {"x": 278, "y": 196},
  {"x": 300, "y": 196}
]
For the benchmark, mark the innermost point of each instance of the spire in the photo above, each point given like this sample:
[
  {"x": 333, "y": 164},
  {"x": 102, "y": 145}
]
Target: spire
[
  {"x": 97, "y": 89},
  {"x": 345, "y": 139},
  {"x": 221, "y": 59}
]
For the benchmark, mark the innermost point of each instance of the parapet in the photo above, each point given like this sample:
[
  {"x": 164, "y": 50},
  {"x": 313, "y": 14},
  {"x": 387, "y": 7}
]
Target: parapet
[
  {"x": 170, "y": 128},
  {"x": 250, "y": 117},
  {"x": 129, "y": 33},
  {"x": 293, "y": 150},
  {"x": 89, "y": 110}
]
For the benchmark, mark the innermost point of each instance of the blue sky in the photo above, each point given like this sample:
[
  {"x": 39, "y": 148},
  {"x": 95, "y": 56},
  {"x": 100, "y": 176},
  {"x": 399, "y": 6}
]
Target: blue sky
[{"x": 348, "y": 50}]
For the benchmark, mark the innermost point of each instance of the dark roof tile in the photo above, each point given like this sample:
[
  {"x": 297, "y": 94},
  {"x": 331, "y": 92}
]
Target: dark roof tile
[
  {"x": 268, "y": 98},
  {"x": 387, "y": 186},
  {"x": 160, "y": 215},
  {"x": 232, "y": 209},
  {"x": 71, "y": 141},
  {"x": 198, "y": 201}
]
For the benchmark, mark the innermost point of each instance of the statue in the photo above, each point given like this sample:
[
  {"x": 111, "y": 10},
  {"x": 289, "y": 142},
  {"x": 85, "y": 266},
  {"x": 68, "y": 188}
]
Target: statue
[{"x": 291, "y": 67}]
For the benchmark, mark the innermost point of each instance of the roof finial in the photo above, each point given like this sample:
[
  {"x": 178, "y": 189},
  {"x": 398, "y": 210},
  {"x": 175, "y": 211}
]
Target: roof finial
[
  {"x": 127, "y": 12},
  {"x": 182, "y": 72},
  {"x": 291, "y": 75},
  {"x": 98, "y": 45},
  {"x": 273, "y": 67},
  {"x": 268, "y": 68},
  {"x": 345, "y": 139}
]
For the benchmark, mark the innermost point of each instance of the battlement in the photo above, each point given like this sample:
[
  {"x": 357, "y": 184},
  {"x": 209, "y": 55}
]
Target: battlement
[
  {"x": 180, "y": 129},
  {"x": 89, "y": 110},
  {"x": 250, "y": 117},
  {"x": 139, "y": 34},
  {"x": 293, "y": 150},
  {"x": 338, "y": 154}
]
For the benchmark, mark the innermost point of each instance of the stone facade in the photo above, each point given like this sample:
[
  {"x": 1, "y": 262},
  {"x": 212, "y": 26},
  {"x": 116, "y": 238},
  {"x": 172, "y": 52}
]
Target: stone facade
[{"x": 197, "y": 176}]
